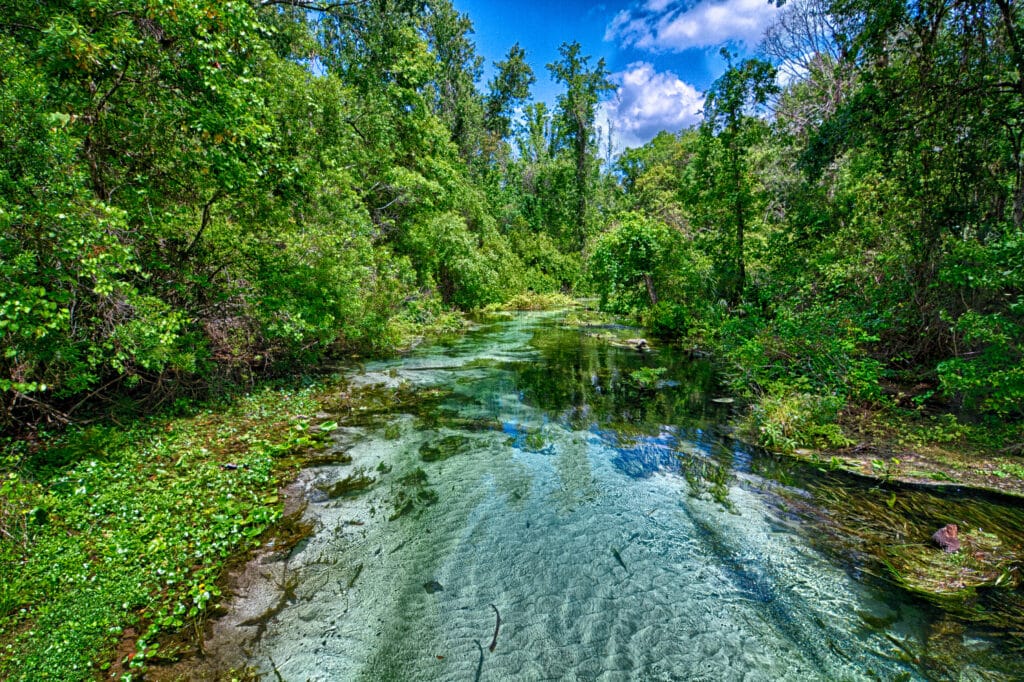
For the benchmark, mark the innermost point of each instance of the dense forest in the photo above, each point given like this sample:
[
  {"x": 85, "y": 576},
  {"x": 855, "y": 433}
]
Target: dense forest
[
  {"x": 201, "y": 192},
  {"x": 195, "y": 195}
]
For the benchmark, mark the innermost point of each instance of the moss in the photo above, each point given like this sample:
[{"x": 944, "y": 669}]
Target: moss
[
  {"x": 444, "y": 448},
  {"x": 351, "y": 485}
]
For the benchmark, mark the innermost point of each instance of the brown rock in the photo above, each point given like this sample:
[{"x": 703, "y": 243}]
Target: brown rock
[{"x": 946, "y": 538}]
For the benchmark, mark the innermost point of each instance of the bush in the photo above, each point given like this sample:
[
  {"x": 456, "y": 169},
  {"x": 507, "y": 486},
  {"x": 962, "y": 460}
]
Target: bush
[
  {"x": 791, "y": 420},
  {"x": 817, "y": 350}
]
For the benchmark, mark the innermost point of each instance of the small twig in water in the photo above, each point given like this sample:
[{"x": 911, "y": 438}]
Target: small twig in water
[
  {"x": 352, "y": 581},
  {"x": 497, "y": 624},
  {"x": 618, "y": 557},
  {"x": 277, "y": 673},
  {"x": 480, "y": 664}
]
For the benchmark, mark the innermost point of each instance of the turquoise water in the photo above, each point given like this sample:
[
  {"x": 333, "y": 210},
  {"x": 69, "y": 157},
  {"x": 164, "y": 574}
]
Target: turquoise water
[{"x": 619, "y": 531}]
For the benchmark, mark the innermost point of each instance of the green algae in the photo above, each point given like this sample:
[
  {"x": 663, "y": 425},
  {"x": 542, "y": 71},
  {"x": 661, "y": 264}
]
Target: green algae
[
  {"x": 444, "y": 448},
  {"x": 350, "y": 486}
]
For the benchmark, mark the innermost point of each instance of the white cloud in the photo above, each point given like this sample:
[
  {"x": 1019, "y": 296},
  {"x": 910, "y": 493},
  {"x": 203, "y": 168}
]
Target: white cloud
[
  {"x": 649, "y": 101},
  {"x": 663, "y": 26},
  {"x": 657, "y": 5}
]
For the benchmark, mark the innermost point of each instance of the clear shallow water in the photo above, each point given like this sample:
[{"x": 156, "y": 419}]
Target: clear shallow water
[{"x": 620, "y": 534}]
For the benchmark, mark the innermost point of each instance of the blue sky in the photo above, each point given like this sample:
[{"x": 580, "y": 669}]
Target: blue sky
[{"x": 663, "y": 54}]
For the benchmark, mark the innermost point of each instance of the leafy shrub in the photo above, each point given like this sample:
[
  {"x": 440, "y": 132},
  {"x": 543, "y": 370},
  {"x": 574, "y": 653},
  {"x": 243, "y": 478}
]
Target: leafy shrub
[
  {"x": 532, "y": 301},
  {"x": 667, "y": 318},
  {"x": 815, "y": 349},
  {"x": 989, "y": 379},
  {"x": 791, "y": 420},
  {"x": 625, "y": 262},
  {"x": 987, "y": 370}
]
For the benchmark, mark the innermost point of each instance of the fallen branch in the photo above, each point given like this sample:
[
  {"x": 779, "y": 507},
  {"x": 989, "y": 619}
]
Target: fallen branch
[{"x": 497, "y": 625}]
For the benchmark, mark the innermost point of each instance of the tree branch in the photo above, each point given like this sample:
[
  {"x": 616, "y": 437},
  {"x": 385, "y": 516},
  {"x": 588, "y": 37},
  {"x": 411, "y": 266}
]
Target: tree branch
[{"x": 204, "y": 222}]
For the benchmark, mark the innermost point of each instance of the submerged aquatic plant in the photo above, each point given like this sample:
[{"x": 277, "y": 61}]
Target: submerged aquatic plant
[
  {"x": 412, "y": 492},
  {"x": 443, "y": 448},
  {"x": 983, "y": 560},
  {"x": 353, "y": 484},
  {"x": 705, "y": 476},
  {"x": 888, "y": 534},
  {"x": 647, "y": 377}
]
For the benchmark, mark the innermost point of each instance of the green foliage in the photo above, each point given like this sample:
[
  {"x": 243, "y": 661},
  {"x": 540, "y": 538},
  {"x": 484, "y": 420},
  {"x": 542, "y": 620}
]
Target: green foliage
[
  {"x": 509, "y": 88},
  {"x": 787, "y": 421},
  {"x": 532, "y": 301},
  {"x": 449, "y": 259},
  {"x": 727, "y": 133},
  {"x": 68, "y": 314},
  {"x": 643, "y": 267},
  {"x": 546, "y": 268},
  {"x": 574, "y": 123},
  {"x": 987, "y": 370},
  {"x": 842, "y": 250},
  {"x": 182, "y": 200},
  {"x": 816, "y": 349},
  {"x": 111, "y": 528},
  {"x": 625, "y": 259}
]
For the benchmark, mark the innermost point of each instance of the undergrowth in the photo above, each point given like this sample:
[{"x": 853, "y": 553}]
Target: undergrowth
[
  {"x": 107, "y": 528},
  {"x": 534, "y": 301}
]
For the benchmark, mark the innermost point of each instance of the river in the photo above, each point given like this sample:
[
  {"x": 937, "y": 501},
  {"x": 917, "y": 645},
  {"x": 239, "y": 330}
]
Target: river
[{"x": 619, "y": 532}]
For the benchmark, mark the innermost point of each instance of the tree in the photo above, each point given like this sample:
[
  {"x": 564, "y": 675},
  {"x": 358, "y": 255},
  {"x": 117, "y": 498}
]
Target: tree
[
  {"x": 509, "y": 89},
  {"x": 455, "y": 98},
  {"x": 728, "y": 109},
  {"x": 575, "y": 119}
]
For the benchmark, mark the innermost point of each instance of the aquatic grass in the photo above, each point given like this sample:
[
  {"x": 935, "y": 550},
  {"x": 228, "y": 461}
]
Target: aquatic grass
[
  {"x": 127, "y": 530},
  {"x": 888, "y": 533},
  {"x": 707, "y": 477}
]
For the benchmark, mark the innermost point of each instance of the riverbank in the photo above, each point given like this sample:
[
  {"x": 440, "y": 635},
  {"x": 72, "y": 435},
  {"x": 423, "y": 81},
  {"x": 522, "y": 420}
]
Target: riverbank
[
  {"x": 883, "y": 444},
  {"x": 918, "y": 453},
  {"x": 112, "y": 537}
]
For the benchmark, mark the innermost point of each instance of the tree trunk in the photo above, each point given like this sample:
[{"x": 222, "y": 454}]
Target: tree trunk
[
  {"x": 741, "y": 268},
  {"x": 649, "y": 283},
  {"x": 581, "y": 184}
]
